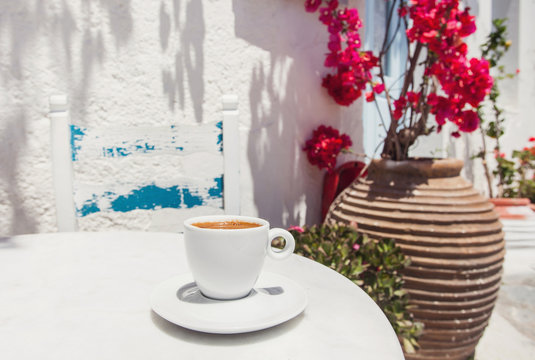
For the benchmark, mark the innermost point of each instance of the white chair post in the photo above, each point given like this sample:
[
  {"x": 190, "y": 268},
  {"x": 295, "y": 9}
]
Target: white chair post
[
  {"x": 61, "y": 163},
  {"x": 231, "y": 154}
]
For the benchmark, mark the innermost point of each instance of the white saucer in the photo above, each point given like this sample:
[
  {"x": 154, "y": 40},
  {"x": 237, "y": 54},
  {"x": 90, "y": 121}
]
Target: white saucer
[{"x": 274, "y": 300}]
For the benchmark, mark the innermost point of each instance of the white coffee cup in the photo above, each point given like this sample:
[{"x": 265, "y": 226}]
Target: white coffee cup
[{"x": 225, "y": 263}]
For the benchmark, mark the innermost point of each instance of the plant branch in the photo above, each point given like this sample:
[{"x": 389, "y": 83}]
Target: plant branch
[
  {"x": 387, "y": 30},
  {"x": 391, "y": 132},
  {"x": 485, "y": 164},
  {"x": 393, "y": 37},
  {"x": 380, "y": 115},
  {"x": 410, "y": 73}
]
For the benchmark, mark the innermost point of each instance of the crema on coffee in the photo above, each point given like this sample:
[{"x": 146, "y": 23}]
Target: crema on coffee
[{"x": 226, "y": 225}]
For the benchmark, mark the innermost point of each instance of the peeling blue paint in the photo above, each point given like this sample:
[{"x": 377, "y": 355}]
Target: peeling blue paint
[
  {"x": 219, "y": 125},
  {"x": 119, "y": 151},
  {"x": 77, "y": 134},
  {"x": 190, "y": 199},
  {"x": 152, "y": 197},
  {"x": 147, "y": 147},
  {"x": 148, "y": 197},
  {"x": 83, "y": 140},
  {"x": 89, "y": 207},
  {"x": 115, "y": 151},
  {"x": 217, "y": 190}
]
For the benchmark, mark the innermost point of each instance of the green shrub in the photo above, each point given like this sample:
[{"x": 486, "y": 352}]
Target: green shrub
[
  {"x": 520, "y": 180},
  {"x": 373, "y": 265}
]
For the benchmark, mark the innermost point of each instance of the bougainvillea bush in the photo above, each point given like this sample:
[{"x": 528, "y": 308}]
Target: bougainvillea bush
[
  {"x": 374, "y": 265},
  {"x": 440, "y": 79}
]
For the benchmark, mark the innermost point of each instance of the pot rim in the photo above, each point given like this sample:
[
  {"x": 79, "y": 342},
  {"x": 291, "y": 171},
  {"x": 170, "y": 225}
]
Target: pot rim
[{"x": 420, "y": 166}]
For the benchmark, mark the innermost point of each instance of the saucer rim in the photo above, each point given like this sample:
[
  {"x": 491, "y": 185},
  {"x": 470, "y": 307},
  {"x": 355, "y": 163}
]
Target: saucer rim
[{"x": 205, "y": 326}]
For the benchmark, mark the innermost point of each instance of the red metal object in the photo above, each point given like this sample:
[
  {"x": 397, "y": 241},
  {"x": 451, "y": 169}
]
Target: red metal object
[{"x": 336, "y": 181}]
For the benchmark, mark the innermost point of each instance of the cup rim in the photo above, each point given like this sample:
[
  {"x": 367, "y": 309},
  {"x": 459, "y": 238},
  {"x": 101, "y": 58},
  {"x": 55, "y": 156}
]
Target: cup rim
[{"x": 224, "y": 217}]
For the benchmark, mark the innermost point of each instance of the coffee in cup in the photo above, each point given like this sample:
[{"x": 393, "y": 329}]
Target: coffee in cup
[
  {"x": 226, "y": 253},
  {"x": 228, "y": 224}
]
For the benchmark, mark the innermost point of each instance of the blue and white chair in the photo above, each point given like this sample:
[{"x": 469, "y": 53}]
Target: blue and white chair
[{"x": 143, "y": 178}]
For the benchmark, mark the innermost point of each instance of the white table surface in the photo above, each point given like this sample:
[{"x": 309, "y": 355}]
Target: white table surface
[{"x": 86, "y": 296}]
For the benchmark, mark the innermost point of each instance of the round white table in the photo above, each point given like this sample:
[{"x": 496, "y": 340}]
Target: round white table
[{"x": 86, "y": 296}]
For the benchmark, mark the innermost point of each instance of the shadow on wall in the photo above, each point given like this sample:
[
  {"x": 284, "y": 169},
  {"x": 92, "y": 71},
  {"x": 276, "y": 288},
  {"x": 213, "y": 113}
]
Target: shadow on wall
[
  {"x": 189, "y": 56},
  {"x": 24, "y": 26},
  {"x": 11, "y": 139},
  {"x": 119, "y": 17},
  {"x": 283, "y": 98},
  {"x": 118, "y": 23},
  {"x": 27, "y": 21}
]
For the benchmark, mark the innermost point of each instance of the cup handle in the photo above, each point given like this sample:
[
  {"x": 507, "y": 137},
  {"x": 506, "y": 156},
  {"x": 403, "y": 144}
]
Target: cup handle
[{"x": 289, "y": 247}]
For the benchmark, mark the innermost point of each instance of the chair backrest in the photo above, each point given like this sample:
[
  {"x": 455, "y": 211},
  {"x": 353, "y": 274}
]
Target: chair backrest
[{"x": 149, "y": 178}]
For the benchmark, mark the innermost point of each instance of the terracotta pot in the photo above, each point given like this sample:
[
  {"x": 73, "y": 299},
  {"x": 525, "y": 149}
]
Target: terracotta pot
[
  {"x": 513, "y": 209},
  {"x": 452, "y": 235}
]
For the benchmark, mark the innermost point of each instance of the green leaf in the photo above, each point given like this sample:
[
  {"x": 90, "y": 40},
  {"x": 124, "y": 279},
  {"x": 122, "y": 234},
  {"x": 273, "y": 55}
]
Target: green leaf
[{"x": 407, "y": 345}]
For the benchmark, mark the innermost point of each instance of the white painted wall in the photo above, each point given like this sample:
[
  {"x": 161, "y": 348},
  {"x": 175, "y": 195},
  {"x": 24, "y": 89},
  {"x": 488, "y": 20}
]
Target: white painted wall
[{"x": 139, "y": 62}]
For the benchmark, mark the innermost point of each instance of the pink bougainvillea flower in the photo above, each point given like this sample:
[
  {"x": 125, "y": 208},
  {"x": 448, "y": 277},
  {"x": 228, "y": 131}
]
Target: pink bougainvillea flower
[
  {"x": 379, "y": 88},
  {"x": 326, "y": 16},
  {"x": 468, "y": 121},
  {"x": 468, "y": 23},
  {"x": 399, "y": 107},
  {"x": 402, "y": 11},
  {"x": 325, "y": 146},
  {"x": 351, "y": 16},
  {"x": 531, "y": 139},
  {"x": 352, "y": 67},
  {"x": 356, "y": 247},
  {"x": 413, "y": 98},
  {"x": 342, "y": 92},
  {"x": 312, "y": 5},
  {"x": 299, "y": 229},
  {"x": 498, "y": 154},
  {"x": 331, "y": 60},
  {"x": 370, "y": 96},
  {"x": 332, "y": 4},
  {"x": 335, "y": 27},
  {"x": 335, "y": 43}
]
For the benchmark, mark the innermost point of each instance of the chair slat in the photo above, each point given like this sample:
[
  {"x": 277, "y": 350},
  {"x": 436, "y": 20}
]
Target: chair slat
[
  {"x": 145, "y": 141},
  {"x": 191, "y": 192}
]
